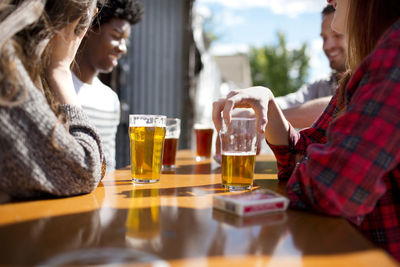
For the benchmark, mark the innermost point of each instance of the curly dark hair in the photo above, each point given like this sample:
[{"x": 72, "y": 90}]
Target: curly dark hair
[
  {"x": 129, "y": 10},
  {"x": 329, "y": 9}
]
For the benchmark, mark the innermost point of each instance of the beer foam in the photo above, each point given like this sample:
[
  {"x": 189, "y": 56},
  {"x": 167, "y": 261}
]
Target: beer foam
[
  {"x": 140, "y": 120},
  {"x": 138, "y": 124},
  {"x": 234, "y": 153},
  {"x": 201, "y": 126}
]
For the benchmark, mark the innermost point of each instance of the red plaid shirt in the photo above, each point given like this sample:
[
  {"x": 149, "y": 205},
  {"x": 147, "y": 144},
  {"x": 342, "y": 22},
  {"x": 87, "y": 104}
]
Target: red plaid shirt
[{"x": 351, "y": 165}]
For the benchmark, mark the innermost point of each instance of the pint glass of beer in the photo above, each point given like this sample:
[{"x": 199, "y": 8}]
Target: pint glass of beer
[
  {"x": 204, "y": 135},
  {"x": 173, "y": 130},
  {"x": 146, "y": 133},
  {"x": 238, "y": 150}
]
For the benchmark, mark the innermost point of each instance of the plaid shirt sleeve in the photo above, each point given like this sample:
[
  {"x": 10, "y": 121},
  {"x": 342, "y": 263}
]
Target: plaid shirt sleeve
[
  {"x": 298, "y": 142},
  {"x": 344, "y": 173}
]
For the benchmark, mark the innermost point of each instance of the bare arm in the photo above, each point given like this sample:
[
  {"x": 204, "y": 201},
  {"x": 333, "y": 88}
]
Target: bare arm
[
  {"x": 63, "y": 49},
  {"x": 277, "y": 130},
  {"x": 306, "y": 114}
]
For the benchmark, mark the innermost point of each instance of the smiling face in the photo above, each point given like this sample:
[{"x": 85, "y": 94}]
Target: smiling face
[
  {"x": 340, "y": 18},
  {"x": 334, "y": 45},
  {"x": 104, "y": 46}
]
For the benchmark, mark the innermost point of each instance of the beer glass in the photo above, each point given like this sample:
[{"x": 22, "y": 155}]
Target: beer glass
[
  {"x": 238, "y": 150},
  {"x": 146, "y": 133},
  {"x": 204, "y": 135},
  {"x": 173, "y": 130}
]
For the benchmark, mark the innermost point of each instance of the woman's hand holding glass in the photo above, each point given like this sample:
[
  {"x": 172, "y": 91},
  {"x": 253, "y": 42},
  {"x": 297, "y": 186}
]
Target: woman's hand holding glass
[
  {"x": 64, "y": 46},
  {"x": 256, "y": 98},
  {"x": 261, "y": 100}
]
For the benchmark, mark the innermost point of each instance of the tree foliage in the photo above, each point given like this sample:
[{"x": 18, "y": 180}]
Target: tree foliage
[
  {"x": 278, "y": 68},
  {"x": 209, "y": 28},
  {"x": 210, "y": 31}
]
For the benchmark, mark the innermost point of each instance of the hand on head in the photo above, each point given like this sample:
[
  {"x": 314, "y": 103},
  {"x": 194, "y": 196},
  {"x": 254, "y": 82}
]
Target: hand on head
[
  {"x": 62, "y": 50},
  {"x": 64, "y": 46}
]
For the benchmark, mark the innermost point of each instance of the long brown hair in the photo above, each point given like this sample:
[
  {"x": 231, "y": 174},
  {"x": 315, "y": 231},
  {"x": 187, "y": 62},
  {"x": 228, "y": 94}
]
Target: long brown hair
[
  {"x": 43, "y": 18},
  {"x": 366, "y": 22}
]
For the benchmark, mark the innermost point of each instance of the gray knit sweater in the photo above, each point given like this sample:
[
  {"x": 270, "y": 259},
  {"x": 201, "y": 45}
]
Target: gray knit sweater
[{"x": 30, "y": 164}]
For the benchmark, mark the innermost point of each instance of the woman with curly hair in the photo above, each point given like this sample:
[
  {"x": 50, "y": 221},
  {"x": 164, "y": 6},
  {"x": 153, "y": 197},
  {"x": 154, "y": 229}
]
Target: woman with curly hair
[{"x": 48, "y": 147}]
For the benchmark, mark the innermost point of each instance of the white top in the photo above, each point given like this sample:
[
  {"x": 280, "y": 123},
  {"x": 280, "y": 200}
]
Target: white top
[
  {"x": 320, "y": 88},
  {"x": 102, "y": 106}
]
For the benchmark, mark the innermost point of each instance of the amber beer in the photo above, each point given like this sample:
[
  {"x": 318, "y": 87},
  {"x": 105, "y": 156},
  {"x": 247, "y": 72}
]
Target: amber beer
[
  {"x": 204, "y": 136},
  {"x": 173, "y": 131},
  {"x": 238, "y": 170},
  {"x": 169, "y": 155},
  {"x": 238, "y": 150},
  {"x": 146, "y": 153}
]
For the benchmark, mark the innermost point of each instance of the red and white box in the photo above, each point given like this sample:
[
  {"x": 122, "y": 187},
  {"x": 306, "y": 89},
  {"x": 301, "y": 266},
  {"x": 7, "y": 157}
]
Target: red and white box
[{"x": 251, "y": 202}]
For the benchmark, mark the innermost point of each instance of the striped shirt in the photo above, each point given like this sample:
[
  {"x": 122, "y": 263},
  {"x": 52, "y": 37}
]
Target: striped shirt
[{"x": 102, "y": 106}]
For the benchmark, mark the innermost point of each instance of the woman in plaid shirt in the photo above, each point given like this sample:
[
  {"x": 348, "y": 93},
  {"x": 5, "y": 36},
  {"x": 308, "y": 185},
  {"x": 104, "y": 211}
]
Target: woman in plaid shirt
[{"x": 348, "y": 163}]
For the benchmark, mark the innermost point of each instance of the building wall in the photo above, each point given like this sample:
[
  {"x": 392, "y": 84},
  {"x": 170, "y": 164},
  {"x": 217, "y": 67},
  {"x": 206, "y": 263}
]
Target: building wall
[
  {"x": 155, "y": 76},
  {"x": 235, "y": 68}
]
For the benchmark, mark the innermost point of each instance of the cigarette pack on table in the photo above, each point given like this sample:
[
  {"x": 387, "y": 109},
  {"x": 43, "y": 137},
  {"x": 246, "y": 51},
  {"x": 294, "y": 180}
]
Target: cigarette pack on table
[
  {"x": 265, "y": 219},
  {"x": 251, "y": 202}
]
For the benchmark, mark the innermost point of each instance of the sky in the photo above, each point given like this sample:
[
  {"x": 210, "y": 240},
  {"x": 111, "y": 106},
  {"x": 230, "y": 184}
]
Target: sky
[{"x": 241, "y": 24}]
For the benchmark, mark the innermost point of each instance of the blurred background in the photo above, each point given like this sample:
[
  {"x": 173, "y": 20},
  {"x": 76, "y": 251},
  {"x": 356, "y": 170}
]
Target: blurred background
[{"x": 187, "y": 53}]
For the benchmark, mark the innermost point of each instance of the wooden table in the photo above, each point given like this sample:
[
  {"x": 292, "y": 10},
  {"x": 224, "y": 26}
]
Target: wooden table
[{"x": 172, "y": 223}]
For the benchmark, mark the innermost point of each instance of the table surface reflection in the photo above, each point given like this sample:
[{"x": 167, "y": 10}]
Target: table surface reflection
[{"x": 172, "y": 223}]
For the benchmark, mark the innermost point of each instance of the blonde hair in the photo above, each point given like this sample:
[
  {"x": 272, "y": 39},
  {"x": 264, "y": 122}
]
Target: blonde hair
[
  {"x": 35, "y": 22},
  {"x": 366, "y": 22}
]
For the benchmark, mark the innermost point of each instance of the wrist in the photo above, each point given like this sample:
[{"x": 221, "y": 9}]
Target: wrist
[
  {"x": 60, "y": 82},
  {"x": 57, "y": 71},
  {"x": 270, "y": 94}
]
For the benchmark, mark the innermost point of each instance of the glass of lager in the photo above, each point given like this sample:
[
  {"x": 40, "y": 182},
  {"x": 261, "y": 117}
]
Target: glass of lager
[
  {"x": 173, "y": 131},
  {"x": 146, "y": 133},
  {"x": 238, "y": 150},
  {"x": 204, "y": 135}
]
